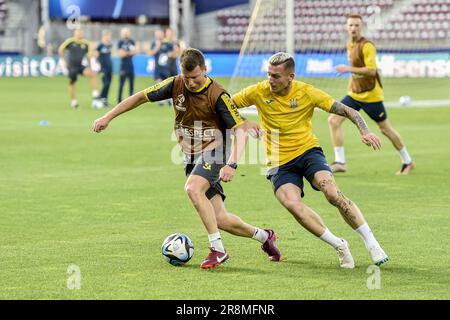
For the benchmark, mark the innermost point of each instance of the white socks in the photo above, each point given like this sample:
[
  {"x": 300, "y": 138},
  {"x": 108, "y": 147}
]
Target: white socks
[
  {"x": 331, "y": 239},
  {"x": 216, "y": 242},
  {"x": 260, "y": 235},
  {"x": 367, "y": 235},
  {"x": 339, "y": 154},
  {"x": 364, "y": 231},
  {"x": 405, "y": 155}
]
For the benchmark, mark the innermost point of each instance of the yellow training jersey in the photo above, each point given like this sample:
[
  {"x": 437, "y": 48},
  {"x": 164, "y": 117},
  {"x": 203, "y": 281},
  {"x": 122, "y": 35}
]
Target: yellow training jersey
[
  {"x": 376, "y": 94},
  {"x": 285, "y": 119}
]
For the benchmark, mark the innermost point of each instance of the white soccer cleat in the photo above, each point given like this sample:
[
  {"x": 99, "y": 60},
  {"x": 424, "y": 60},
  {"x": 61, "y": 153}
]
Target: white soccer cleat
[
  {"x": 74, "y": 104},
  {"x": 378, "y": 256},
  {"x": 345, "y": 257}
]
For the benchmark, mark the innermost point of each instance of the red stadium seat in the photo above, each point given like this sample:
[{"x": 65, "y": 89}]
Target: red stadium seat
[{"x": 322, "y": 20}]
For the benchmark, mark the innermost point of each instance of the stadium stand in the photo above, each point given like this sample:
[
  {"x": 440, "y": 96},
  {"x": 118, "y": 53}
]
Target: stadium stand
[
  {"x": 324, "y": 20},
  {"x": 18, "y": 26},
  {"x": 422, "y": 20},
  {"x": 3, "y": 15}
]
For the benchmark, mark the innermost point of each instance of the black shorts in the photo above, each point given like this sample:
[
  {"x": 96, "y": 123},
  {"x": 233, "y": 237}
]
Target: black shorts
[
  {"x": 375, "y": 110},
  {"x": 74, "y": 71},
  {"x": 207, "y": 165},
  {"x": 305, "y": 165}
]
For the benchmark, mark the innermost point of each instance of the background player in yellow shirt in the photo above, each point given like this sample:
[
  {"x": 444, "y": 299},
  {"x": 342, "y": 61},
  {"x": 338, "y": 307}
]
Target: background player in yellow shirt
[
  {"x": 285, "y": 107},
  {"x": 365, "y": 92}
]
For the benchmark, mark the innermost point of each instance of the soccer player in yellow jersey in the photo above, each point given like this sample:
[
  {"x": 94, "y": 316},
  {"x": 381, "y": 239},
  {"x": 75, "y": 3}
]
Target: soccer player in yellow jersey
[
  {"x": 203, "y": 113},
  {"x": 365, "y": 92},
  {"x": 285, "y": 107}
]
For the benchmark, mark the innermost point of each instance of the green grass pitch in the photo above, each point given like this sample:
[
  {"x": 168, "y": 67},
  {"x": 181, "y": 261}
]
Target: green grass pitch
[{"x": 105, "y": 202}]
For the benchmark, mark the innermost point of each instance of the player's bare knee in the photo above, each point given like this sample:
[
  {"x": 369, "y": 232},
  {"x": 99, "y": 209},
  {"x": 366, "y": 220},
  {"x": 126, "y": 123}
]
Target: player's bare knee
[
  {"x": 193, "y": 192},
  {"x": 88, "y": 73},
  {"x": 334, "y": 121},
  {"x": 331, "y": 121},
  {"x": 385, "y": 130},
  {"x": 294, "y": 206},
  {"x": 300, "y": 213},
  {"x": 222, "y": 221},
  {"x": 332, "y": 195}
]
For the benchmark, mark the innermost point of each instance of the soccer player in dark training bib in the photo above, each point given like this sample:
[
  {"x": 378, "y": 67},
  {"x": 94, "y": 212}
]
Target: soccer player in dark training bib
[
  {"x": 75, "y": 52},
  {"x": 366, "y": 93},
  {"x": 204, "y": 118}
]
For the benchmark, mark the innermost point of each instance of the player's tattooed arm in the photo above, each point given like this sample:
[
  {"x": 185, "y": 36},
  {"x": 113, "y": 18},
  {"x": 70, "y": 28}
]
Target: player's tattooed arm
[
  {"x": 342, "y": 110},
  {"x": 367, "y": 137}
]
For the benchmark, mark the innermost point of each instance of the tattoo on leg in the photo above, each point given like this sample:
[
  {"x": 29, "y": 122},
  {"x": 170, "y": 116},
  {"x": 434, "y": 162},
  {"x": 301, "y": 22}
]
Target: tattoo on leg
[
  {"x": 345, "y": 205},
  {"x": 324, "y": 183}
]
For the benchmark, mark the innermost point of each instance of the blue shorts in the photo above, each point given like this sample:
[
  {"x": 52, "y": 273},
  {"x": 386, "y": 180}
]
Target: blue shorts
[
  {"x": 305, "y": 165},
  {"x": 375, "y": 110}
]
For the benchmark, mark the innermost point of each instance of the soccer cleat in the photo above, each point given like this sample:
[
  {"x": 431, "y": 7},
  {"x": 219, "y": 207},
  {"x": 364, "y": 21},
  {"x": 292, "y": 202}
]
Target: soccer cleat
[
  {"x": 378, "y": 256},
  {"x": 105, "y": 103},
  {"x": 338, "y": 167},
  {"x": 214, "y": 259},
  {"x": 405, "y": 169},
  {"x": 95, "y": 94},
  {"x": 270, "y": 246},
  {"x": 74, "y": 104},
  {"x": 345, "y": 257}
]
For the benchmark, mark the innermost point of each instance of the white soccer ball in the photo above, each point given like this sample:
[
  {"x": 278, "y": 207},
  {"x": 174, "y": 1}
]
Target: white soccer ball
[
  {"x": 405, "y": 100},
  {"x": 177, "y": 249}
]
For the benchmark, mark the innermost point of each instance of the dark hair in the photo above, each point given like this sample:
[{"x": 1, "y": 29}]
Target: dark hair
[
  {"x": 283, "y": 58},
  {"x": 191, "y": 58},
  {"x": 355, "y": 16}
]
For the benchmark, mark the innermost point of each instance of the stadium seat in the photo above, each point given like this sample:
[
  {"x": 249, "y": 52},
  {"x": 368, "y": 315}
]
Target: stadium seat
[{"x": 324, "y": 18}]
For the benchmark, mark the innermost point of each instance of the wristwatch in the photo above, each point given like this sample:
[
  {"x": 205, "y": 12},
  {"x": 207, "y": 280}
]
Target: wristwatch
[{"x": 232, "y": 165}]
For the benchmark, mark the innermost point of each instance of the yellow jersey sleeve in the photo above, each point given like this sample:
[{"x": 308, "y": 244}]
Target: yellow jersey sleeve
[
  {"x": 320, "y": 98},
  {"x": 89, "y": 47},
  {"x": 370, "y": 52},
  {"x": 245, "y": 97}
]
